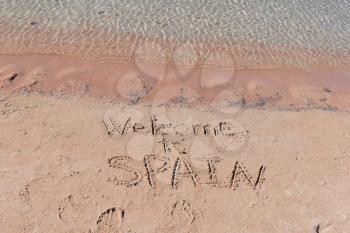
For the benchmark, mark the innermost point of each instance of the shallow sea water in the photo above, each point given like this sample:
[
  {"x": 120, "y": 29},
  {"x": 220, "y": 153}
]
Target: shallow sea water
[{"x": 252, "y": 33}]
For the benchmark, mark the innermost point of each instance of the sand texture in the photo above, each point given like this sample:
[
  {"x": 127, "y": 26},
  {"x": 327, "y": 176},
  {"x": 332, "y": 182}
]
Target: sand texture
[{"x": 107, "y": 148}]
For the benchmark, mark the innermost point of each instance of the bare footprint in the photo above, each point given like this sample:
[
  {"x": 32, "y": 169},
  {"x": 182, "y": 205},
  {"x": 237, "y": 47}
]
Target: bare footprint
[
  {"x": 132, "y": 87},
  {"x": 70, "y": 209},
  {"x": 182, "y": 212},
  {"x": 110, "y": 221},
  {"x": 182, "y": 216},
  {"x": 180, "y": 219},
  {"x": 33, "y": 187}
]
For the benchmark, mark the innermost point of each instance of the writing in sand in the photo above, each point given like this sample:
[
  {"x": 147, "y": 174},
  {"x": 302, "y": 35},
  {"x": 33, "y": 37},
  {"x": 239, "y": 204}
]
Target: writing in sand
[{"x": 173, "y": 164}]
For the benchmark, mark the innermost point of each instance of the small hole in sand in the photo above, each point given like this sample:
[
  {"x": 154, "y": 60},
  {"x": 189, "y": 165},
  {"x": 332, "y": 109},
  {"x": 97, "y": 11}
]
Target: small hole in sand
[
  {"x": 34, "y": 23},
  {"x": 12, "y": 77}
]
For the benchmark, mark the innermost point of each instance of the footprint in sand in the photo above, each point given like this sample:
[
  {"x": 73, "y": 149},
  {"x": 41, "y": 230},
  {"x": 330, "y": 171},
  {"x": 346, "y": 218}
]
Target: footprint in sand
[
  {"x": 34, "y": 187},
  {"x": 132, "y": 87},
  {"x": 70, "y": 209},
  {"x": 181, "y": 210},
  {"x": 110, "y": 221},
  {"x": 182, "y": 216}
]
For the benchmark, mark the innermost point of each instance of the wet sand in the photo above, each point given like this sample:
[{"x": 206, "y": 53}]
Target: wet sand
[
  {"x": 141, "y": 81},
  {"x": 144, "y": 147}
]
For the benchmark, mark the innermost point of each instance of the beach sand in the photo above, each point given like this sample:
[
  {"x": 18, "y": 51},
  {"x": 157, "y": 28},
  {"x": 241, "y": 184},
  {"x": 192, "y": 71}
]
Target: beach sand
[{"x": 118, "y": 147}]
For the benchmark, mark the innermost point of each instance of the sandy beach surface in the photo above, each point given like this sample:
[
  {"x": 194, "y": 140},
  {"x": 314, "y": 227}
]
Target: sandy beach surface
[{"x": 106, "y": 148}]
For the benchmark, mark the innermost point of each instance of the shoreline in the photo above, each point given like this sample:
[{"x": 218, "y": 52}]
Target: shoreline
[
  {"x": 158, "y": 83},
  {"x": 174, "y": 116}
]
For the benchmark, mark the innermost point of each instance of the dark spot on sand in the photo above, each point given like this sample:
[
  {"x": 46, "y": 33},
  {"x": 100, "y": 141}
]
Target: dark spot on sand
[
  {"x": 12, "y": 77},
  {"x": 317, "y": 228},
  {"x": 34, "y": 23},
  {"x": 101, "y": 12},
  {"x": 327, "y": 90},
  {"x": 123, "y": 215}
]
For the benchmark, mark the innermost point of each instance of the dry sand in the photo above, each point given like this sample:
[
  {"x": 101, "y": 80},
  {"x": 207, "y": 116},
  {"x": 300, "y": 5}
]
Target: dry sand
[{"x": 89, "y": 147}]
